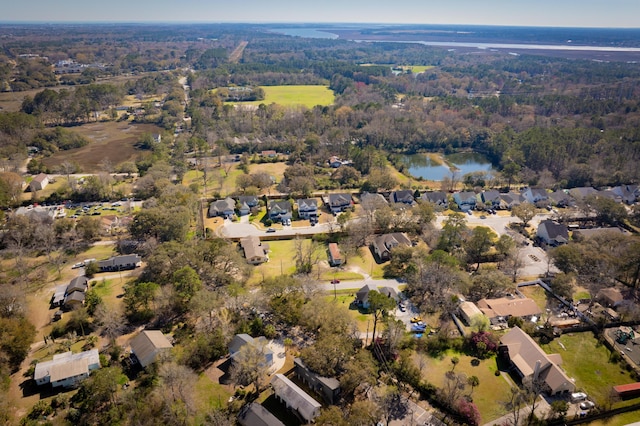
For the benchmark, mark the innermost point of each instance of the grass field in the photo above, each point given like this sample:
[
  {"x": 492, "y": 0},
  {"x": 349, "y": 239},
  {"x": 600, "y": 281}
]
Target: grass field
[
  {"x": 272, "y": 169},
  {"x": 587, "y": 361},
  {"x": 487, "y": 395},
  {"x": 111, "y": 141},
  {"x": 280, "y": 262},
  {"x": 365, "y": 261},
  {"x": 417, "y": 69},
  {"x": 306, "y": 95}
]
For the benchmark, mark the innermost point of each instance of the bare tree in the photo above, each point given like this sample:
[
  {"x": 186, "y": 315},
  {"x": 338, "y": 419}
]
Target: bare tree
[
  {"x": 249, "y": 366},
  {"x": 177, "y": 392}
]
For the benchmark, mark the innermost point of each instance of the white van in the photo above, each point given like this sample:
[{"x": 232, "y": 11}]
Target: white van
[{"x": 578, "y": 396}]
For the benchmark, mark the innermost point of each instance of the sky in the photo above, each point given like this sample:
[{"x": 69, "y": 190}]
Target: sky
[{"x": 565, "y": 13}]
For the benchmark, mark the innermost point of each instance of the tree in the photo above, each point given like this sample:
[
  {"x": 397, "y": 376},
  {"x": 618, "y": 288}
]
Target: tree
[
  {"x": 379, "y": 305},
  {"x": 186, "y": 283},
  {"x": 249, "y": 366},
  {"x": 525, "y": 212},
  {"x": 177, "y": 392},
  {"x": 454, "y": 361},
  {"x": 478, "y": 244},
  {"x": 473, "y": 381},
  {"x": 453, "y": 232},
  {"x": 488, "y": 283},
  {"x": 88, "y": 228}
]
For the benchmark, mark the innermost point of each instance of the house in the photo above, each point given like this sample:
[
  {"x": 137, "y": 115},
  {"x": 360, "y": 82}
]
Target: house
[
  {"x": 39, "y": 182},
  {"x": 438, "y": 198},
  {"x": 334, "y": 162},
  {"x": 279, "y": 211},
  {"x": 120, "y": 263},
  {"x": 383, "y": 244},
  {"x": 79, "y": 283},
  {"x": 627, "y": 193},
  {"x": 249, "y": 200},
  {"x": 371, "y": 202},
  {"x": 561, "y": 198},
  {"x": 244, "y": 209},
  {"x": 582, "y": 192},
  {"x": 335, "y": 257},
  {"x": 307, "y": 208},
  {"x": 240, "y": 340},
  {"x": 465, "y": 200},
  {"x": 530, "y": 361},
  {"x": 609, "y": 297},
  {"x": 109, "y": 223},
  {"x": 73, "y": 300},
  {"x": 503, "y": 308},
  {"x": 295, "y": 399},
  {"x": 390, "y": 292},
  {"x": 510, "y": 200},
  {"x": 553, "y": 233},
  {"x": 255, "y": 414},
  {"x": 468, "y": 310},
  {"x": 362, "y": 295},
  {"x": 404, "y": 196},
  {"x": 269, "y": 153},
  {"x": 491, "y": 198},
  {"x": 147, "y": 345},
  {"x": 327, "y": 387},
  {"x": 339, "y": 202},
  {"x": 66, "y": 369},
  {"x": 254, "y": 251},
  {"x": 535, "y": 195},
  {"x": 58, "y": 295},
  {"x": 225, "y": 208}
]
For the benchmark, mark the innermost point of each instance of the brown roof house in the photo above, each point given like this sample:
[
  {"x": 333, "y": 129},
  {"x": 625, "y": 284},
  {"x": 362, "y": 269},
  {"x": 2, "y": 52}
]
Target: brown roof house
[
  {"x": 335, "y": 257},
  {"x": 254, "y": 250},
  {"x": 503, "y": 308},
  {"x": 610, "y": 297},
  {"x": 383, "y": 244},
  {"x": 532, "y": 363},
  {"x": 148, "y": 344},
  {"x": 468, "y": 310},
  {"x": 39, "y": 182}
]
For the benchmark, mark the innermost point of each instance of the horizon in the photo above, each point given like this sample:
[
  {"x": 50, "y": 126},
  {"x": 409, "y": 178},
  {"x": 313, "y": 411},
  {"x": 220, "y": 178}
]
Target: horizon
[{"x": 614, "y": 14}]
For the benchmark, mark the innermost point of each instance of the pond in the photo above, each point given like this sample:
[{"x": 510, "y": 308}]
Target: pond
[{"x": 421, "y": 165}]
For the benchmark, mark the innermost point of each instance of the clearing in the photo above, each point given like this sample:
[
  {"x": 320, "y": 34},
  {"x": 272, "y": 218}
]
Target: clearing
[
  {"x": 306, "y": 95},
  {"x": 113, "y": 141}
]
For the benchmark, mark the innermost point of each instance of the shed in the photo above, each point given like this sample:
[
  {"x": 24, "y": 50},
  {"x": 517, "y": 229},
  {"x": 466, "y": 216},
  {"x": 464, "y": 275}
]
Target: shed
[
  {"x": 147, "y": 345},
  {"x": 297, "y": 400}
]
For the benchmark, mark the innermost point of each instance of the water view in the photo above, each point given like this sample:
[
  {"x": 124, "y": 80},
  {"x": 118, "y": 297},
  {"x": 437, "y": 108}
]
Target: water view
[
  {"x": 421, "y": 165},
  {"x": 305, "y": 32}
]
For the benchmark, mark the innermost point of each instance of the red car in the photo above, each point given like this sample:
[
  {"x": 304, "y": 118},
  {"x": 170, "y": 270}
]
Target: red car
[{"x": 335, "y": 281}]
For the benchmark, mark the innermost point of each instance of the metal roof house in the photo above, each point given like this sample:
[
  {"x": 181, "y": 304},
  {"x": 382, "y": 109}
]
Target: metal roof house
[
  {"x": 66, "y": 369},
  {"x": 255, "y": 414},
  {"x": 297, "y": 400},
  {"x": 120, "y": 263},
  {"x": 148, "y": 344}
]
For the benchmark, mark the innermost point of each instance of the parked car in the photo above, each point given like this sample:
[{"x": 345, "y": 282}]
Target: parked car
[
  {"x": 402, "y": 307},
  {"x": 418, "y": 328},
  {"x": 335, "y": 281},
  {"x": 587, "y": 405},
  {"x": 270, "y": 230},
  {"x": 416, "y": 319},
  {"x": 78, "y": 265}
]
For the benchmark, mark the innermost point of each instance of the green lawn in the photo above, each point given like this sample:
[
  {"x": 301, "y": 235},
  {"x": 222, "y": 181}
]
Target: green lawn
[
  {"x": 364, "y": 260},
  {"x": 209, "y": 395},
  {"x": 305, "y": 95},
  {"x": 487, "y": 395},
  {"x": 417, "y": 69},
  {"x": 281, "y": 261},
  {"x": 587, "y": 361},
  {"x": 537, "y": 293}
]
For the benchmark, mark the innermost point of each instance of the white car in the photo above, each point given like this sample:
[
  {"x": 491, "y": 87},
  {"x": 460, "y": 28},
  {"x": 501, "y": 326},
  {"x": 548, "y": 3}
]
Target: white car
[
  {"x": 587, "y": 405},
  {"x": 78, "y": 265}
]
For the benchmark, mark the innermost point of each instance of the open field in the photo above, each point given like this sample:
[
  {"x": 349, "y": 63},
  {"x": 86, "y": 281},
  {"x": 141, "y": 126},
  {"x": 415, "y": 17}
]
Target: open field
[
  {"x": 366, "y": 263},
  {"x": 306, "y": 95},
  {"x": 363, "y": 321},
  {"x": 111, "y": 141},
  {"x": 272, "y": 169},
  {"x": 588, "y": 362},
  {"x": 487, "y": 395}
]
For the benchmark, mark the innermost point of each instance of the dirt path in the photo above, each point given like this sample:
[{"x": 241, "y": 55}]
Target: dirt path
[{"x": 237, "y": 52}]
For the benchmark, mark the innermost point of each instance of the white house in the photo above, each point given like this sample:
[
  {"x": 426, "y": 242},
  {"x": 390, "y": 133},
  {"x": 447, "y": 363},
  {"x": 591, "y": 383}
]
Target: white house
[{"x": 66, "y": 369}]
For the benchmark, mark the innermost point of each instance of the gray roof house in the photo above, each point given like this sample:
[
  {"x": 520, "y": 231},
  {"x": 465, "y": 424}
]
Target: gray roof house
[
  {"x": 72, "y": 300},
  {"x": 561, "y": 198},
  {"x": 582, "y": 192},
  {"x": 534, "y": 195},
  {"x": 327, "y": 387},
  {"x": 307, "y": 208},
  {"x": 404, "y": 196},
  {"x": 438, "y": 198},
  {"x": 553, "y": 233},
  {"x": 79, "y": 283},
  {"x": 362, "y": 295},
  {"x": 225, "y": 208},
  {"x": 491, "y": 198},
  {"x": 339, "y": 202},
  {"x": 147, "y": 345},
  {"x": 465, "y": 200},
  {"x": 279, "y": 211},
  {"x": 255, "y": 414},
  {"x": 511, "y": 199},
  {"x": 39, "y": 182},
  {"x": 383, "y": 244},
  {"x": 628, "y": 193},
  {"x": 244, "y": 209},
  {"x": 297, "y": 400},
  {"x": 249, "y": 200},
  {"x": 66, "y": 369}
]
